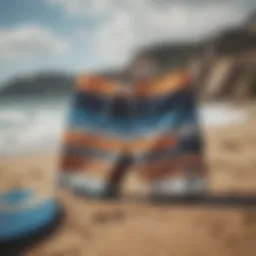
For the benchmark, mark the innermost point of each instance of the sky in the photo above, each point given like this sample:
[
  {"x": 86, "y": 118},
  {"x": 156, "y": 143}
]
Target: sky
[{"x": 81, "y": 35}]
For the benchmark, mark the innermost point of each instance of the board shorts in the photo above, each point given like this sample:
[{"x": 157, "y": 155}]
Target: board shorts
[{"x": 154, "y": 122}]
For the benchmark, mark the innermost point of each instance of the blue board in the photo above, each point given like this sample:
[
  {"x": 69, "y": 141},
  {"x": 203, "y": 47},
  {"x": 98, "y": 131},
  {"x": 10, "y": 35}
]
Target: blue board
[{"x": 17, "y": 220}]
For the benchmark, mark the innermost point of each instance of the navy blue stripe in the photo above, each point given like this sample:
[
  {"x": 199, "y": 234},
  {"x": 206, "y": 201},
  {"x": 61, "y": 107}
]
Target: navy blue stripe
[
  {"x": 90, "y": 102},
  {"x": 121, "y": 108},
  {"x": 88, "y": 152},
  {"x": 158, "y": 115},
  {"x": 191, "y": 144}
]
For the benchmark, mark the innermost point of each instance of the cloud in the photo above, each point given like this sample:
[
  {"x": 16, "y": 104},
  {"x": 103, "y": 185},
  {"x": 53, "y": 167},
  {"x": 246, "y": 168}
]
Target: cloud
[
  {"x": 129, "y": 24},
  {"x": 114, "y": 41},
  {"x": 29, "y": 40},
  {"x": 84, "y": 7},
  {"x": 133, "y": 23},
  {"x": 186, "y": 22}
]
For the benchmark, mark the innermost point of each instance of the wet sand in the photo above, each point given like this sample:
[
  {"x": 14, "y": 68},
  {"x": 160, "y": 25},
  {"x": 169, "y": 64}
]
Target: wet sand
[{"x": 140, "y": 228}]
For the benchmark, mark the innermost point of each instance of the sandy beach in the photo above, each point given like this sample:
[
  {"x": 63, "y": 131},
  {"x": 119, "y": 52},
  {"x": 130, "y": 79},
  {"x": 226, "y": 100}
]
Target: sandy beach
[{"x": 139, "y": 228}]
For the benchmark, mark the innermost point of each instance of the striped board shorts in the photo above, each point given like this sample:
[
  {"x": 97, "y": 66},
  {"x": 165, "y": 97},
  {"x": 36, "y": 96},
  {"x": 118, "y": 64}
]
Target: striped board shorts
[{"x": 150, "y": 128}]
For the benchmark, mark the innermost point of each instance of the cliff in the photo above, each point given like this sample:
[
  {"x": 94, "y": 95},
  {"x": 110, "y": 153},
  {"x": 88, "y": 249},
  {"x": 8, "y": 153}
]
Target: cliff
[{"x": 224, "y": 66}]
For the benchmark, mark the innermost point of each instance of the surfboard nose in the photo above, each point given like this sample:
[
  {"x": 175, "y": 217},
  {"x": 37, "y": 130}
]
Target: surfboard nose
[{"x": 23, "y": 214}]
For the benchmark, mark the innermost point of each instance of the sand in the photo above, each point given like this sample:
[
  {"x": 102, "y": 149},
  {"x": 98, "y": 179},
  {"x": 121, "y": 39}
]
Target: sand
[{"x": 139, "y": 228}]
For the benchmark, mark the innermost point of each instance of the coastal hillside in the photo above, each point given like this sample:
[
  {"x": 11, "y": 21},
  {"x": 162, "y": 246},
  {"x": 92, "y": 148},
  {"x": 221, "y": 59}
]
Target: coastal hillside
[
  {"x": 41, "y": 85},
  {"x": 228, "y": 66},
  {"x": 223, "y": 65}
]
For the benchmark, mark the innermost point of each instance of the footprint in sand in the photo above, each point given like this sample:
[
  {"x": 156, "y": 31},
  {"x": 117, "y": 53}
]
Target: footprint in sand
[
  {"x": 231, "y": 240},
  {"x": 249, "y": 218},
  {"x": 107, "y": 217},
  {"x": 217, "y": 228}
]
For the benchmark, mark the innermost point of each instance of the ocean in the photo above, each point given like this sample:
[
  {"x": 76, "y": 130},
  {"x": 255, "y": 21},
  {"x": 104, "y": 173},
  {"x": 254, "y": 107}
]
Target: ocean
[{"x": 36, "y": 124}]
